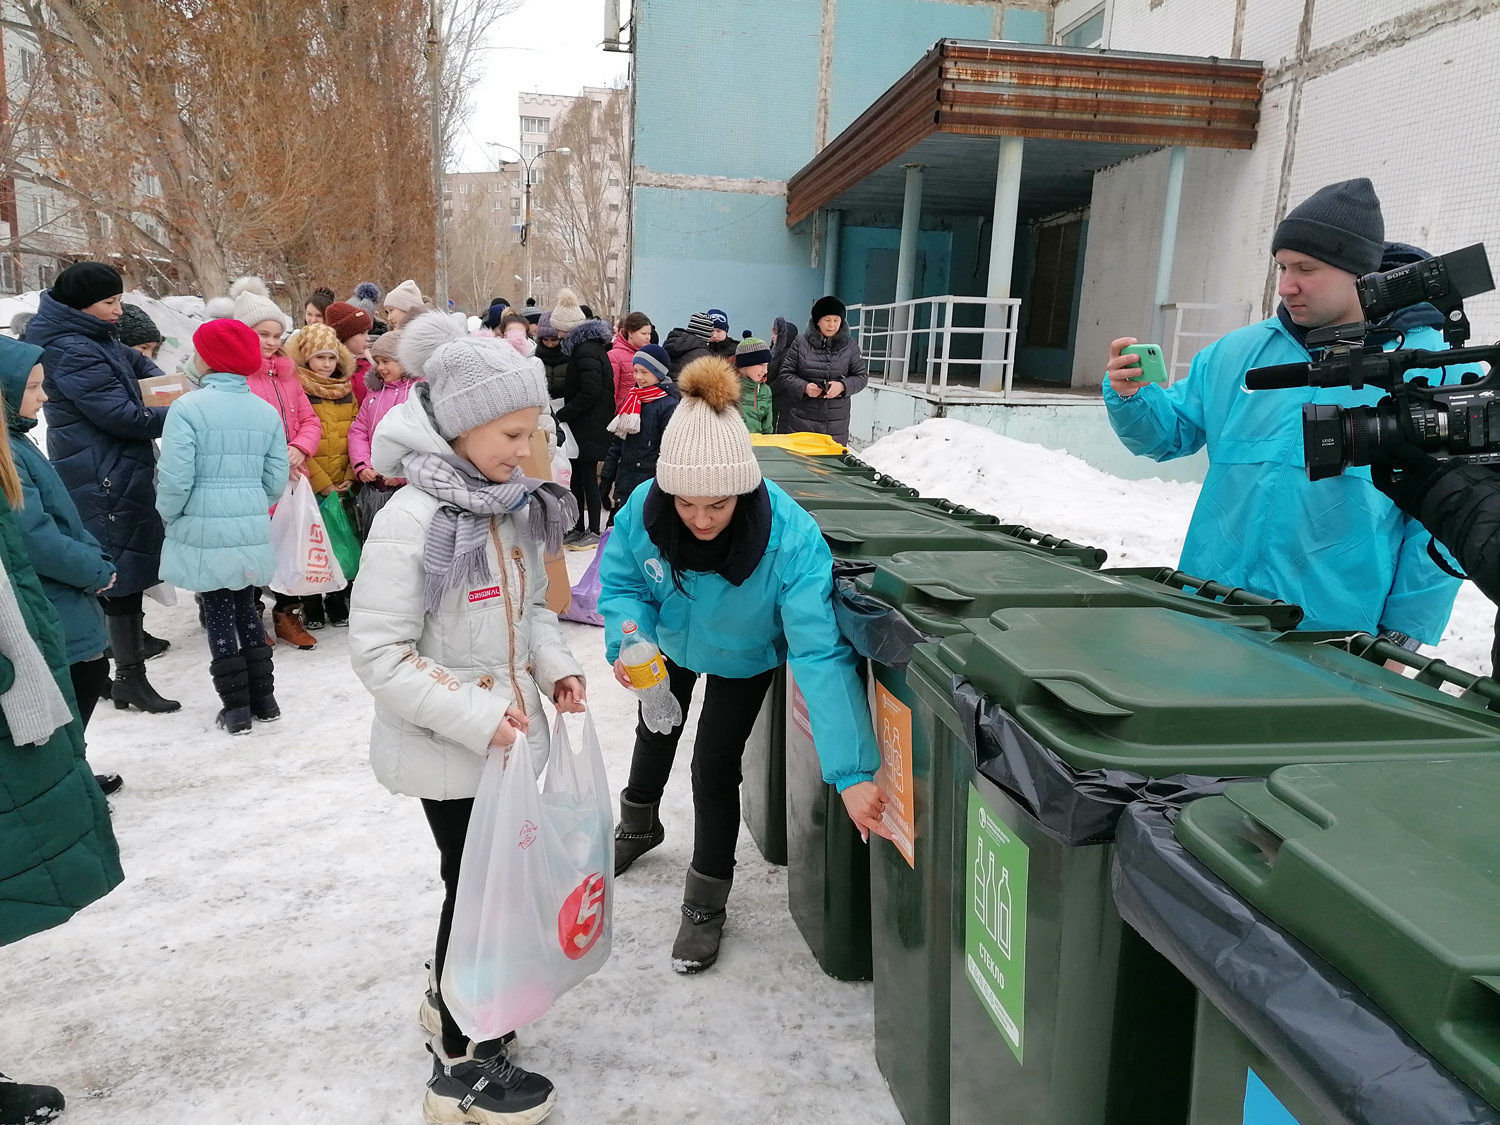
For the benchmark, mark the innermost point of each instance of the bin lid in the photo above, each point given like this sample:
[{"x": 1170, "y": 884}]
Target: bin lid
[
  {"x": 935, "y": 589},
  {"x": 863, "y": 534},
  {"x": 1160, "y": 692},
  {"x": 1391, "y": 872},
  {"x": 836, "y": 493}
]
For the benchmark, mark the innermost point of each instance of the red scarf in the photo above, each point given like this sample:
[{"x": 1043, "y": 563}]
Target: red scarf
[{"x": 628, "y": 420}]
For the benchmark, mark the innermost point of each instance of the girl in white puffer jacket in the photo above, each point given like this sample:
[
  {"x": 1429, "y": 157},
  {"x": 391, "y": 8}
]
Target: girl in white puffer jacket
[{"x": 450, "y": 631}]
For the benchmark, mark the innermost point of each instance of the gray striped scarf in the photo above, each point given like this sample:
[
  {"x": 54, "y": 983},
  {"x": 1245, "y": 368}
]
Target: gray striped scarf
[{"x": 457, "y": 551}]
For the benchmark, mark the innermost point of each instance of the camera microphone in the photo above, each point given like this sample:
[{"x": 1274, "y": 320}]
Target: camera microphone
[{"x": 1278, "y": 377}]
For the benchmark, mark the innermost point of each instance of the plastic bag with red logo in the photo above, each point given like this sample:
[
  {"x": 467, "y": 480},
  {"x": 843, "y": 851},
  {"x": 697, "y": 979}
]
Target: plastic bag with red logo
[
  {"x": 532, "y": 915},
  {"x": 305, "y": 562}
]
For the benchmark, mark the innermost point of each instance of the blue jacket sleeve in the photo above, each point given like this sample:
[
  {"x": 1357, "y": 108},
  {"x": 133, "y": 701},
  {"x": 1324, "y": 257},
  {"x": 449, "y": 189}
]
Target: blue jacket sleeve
[
  {"x": 1421, "y": 596},
  {"x": 277, "y": 469},
  {"x": 93, "y": 387},
  {"x": 176, "y": 468},
  {"x": 72, "y": 562},
  {"x": 623, "y": 593},
  {"x": 1161, "y": 423},
  {"x": 826, "y": 668}
]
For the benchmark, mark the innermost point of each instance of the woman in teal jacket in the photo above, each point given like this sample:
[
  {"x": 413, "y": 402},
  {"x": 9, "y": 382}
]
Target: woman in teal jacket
[
  {"x": 730, "y": 578},
  {"x": 72, "y": 566},
  {"x": 223, "y": 465},
  {"x": 57, "y": 849}
]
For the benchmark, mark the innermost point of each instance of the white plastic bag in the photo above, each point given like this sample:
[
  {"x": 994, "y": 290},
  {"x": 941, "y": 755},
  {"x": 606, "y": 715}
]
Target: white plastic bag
[
  {"x": 569, "y": 442},
  {"x": 531, "y": 918},
  {"x": 305, "y": 562},
  {"x": 562, "y": 468}
]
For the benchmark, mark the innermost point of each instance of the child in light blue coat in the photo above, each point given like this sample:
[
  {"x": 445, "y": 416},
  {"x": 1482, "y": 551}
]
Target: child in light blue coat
[{"x": 223, "y": 465}]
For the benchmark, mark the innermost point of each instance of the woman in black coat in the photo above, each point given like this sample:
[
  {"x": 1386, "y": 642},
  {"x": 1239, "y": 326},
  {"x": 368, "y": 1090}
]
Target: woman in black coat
[
  {"x": 100, "y": 437},
  {"x": 588, "y": 407},
  {"x": 820, "y": 371}
]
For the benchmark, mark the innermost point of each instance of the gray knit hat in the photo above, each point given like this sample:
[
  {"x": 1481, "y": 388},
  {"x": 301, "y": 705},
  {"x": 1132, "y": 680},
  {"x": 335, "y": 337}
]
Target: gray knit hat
[
  {"x": 1340, "y": 224},
  {"x": 567, "y": 313},
  {"x": 473, "y": 379},
  {"x": 706, "y": 449},
  {"x": 253, "y": 304}
]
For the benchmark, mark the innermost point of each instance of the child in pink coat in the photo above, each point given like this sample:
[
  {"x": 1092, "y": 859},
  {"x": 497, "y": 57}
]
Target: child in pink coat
[
  {"x": 277, "y": 384},
  {"x": 388, "y": 386}
]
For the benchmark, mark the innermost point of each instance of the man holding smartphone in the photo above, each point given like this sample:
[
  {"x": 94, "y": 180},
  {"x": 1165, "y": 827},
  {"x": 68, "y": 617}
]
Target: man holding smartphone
[{"x": 1336, "y": 547}]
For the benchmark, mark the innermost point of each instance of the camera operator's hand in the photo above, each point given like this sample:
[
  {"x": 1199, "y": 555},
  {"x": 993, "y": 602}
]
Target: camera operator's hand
[
  {"x": 1419, "y": 471},
  {"x": 1124, "y": 371}
]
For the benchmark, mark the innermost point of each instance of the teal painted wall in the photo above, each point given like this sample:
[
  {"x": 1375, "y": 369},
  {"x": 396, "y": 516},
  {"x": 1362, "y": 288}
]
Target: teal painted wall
[
  {"x": 697, "y": 250},
  {"x": 937, "y": 257},
  {"x": 1023, "y": 26},
  {"x": 877, "y": 41},
  {"x": 732, "y": 90}
]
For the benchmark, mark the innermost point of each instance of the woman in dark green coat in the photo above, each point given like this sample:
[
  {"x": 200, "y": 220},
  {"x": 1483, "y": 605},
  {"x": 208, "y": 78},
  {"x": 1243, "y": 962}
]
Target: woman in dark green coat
[{"x": 57, "y": 850}]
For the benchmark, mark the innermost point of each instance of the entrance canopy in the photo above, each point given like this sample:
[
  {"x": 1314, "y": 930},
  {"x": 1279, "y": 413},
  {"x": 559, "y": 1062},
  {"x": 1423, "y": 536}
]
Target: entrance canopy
[{"x": 1078, "y": 109}]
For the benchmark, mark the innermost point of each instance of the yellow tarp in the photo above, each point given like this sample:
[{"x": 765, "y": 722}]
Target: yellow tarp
[{"x": 809, "y": 445}]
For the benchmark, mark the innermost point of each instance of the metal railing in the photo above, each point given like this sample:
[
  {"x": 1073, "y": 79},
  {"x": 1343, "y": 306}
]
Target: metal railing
[
  {"x": 938, "y": 344},
  {"x": 1218, "y": 319}
]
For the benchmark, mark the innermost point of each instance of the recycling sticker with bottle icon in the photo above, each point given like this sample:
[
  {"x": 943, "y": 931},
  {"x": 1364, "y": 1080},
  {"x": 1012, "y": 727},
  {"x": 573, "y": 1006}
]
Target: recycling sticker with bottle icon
[{"x": 995, "y": 925}]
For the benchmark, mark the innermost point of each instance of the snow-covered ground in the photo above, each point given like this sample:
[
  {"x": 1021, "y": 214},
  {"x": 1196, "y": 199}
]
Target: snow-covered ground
[
  {"x": 262, "y": 961},
  {"x": 1140, "y": 522}
]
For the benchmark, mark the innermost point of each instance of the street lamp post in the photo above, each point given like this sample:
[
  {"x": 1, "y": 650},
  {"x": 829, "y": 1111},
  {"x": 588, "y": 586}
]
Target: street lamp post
[{"x": 528, "y": 165}]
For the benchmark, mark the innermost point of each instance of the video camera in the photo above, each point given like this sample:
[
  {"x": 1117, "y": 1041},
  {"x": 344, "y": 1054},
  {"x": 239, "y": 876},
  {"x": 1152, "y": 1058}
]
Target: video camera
[{"x": 1452, "y": 423}]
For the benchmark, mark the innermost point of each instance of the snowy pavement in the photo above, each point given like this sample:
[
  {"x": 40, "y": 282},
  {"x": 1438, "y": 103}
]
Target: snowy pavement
[{"x": 262, "y": 961}]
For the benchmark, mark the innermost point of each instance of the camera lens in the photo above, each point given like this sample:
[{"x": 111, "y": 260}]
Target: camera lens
[{"x": 1362, "y": 434}]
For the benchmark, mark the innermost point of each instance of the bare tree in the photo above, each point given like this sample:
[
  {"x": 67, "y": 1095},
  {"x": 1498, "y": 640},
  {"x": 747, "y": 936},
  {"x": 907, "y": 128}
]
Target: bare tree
[
  {"x": 579, "y": 209},
  {"x": 198, "y": 140},
  {"x": 484, "y": 257},
  {"x": 467, "y": 25}
]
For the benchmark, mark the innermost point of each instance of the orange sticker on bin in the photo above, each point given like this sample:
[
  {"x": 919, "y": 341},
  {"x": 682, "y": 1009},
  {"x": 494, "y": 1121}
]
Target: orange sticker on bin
[{"x": 893, "y": 734}]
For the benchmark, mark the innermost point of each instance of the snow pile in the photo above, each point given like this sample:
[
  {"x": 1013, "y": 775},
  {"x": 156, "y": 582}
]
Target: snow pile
[
  {"x": 175, "y": 317},
  {"x": 1140, "y": 523}
]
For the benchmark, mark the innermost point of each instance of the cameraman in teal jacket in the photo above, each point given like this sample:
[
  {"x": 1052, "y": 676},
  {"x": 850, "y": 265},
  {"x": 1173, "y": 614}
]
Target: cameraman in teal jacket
[{"x": 1336, "y": 547}]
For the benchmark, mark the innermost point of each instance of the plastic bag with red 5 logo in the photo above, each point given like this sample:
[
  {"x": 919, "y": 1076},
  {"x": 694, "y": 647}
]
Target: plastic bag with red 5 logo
[{"x": 532, "y": 915}]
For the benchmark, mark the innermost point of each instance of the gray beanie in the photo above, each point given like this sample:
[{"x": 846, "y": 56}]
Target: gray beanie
[
  {"x": 706, "y": 449},
  {"x": 472, "y": 379},
  {"x": 1339, "y": 224}
]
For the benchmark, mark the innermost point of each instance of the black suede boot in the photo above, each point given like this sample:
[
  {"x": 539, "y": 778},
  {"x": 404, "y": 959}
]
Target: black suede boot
[
  {"x": 697, "y": 944},
  {"x": 127, "y": 641},
  {"x": 337, "y": 606},
  {"x": 232, "y": 682},
  {"x": 639, "y": 830},
  {"x": 258, "y": 663}
]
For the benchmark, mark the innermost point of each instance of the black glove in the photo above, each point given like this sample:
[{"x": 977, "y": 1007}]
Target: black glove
[{"x": 1419, "y": 471}]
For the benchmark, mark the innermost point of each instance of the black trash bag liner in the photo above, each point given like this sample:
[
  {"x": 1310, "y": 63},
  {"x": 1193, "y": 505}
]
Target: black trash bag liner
[
  {"x": 876, "y": 630},
  {"x": 1075, "y": 807},
  {"x": 1342, "y": 1051}
]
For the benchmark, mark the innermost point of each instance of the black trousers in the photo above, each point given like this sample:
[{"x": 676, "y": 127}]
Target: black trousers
[
  {"x": 123, "y": 606},
  {"x": 730, "y": 708},
  {"x": 449, "y": 821},
  {"x": 89, "y": 678},
  {"x": 233, "y": 621},
  {"x": 585, "y": 489}
]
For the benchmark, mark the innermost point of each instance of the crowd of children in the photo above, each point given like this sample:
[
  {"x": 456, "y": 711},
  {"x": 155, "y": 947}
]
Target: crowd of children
[{"x": 414, "y": 430}]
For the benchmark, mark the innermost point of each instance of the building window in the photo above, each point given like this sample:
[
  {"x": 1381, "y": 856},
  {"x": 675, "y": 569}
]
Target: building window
[
  {"x": 30, "y": 65},
  {"x": 614, "y": 206},
  {"x": 1049, "y": 319},
  {"x": 1087, "y": 32},
  {"x": 40, "y": 211},
  {"x": 534, "y": 176},
  {"x": 515, "y": 206},
  {"x": 497, "y": 204},
  {"x": 536, "y": 125},
  {"x": 614, "y": 181},
  {"x": 8, "y": 274},
  {"x": 531, "y": 149},
  {"x": 106, "y": 226}
]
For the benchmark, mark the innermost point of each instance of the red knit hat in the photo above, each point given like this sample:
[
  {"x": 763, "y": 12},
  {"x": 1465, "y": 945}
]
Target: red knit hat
[
  {"x": 228, "y": 345},
  {"x": 346, "y": 320}
]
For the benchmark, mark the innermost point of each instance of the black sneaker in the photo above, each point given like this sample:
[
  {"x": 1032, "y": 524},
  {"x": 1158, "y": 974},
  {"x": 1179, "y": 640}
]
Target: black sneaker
[
  {"x": 109, "y": 782},
  {"x": 312, "y": 614},
  {"x": 30, "y": 1105},
  {"x": 492, "y": 1091}
]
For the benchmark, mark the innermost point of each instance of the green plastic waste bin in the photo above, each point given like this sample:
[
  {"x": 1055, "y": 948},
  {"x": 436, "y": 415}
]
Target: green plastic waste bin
[
  {"x": 1235, "y": 1083},
  {"x": 1060, "y": 1014},
  {"x": 828, "y": 865},
  {"x": 911, "y": 891},
  {"x": 868, "y": 534},
  {"x": 763, "y": 773},
  {"x": 1390, "y": 872}
]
